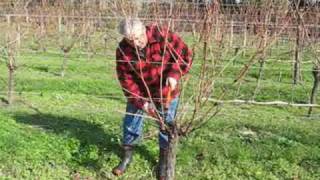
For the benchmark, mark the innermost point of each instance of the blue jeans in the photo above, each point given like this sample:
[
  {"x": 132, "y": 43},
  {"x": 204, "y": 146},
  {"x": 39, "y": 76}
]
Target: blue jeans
[{"x": 133, "y": 124}]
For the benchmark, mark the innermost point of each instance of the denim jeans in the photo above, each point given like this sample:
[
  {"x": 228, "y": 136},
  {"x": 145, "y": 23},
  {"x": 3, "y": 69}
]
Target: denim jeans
[{"x": 133, "y": 124}]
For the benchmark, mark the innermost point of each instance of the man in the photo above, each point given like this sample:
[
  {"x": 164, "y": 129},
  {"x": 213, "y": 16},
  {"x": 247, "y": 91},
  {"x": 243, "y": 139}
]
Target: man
[{"x": 150, "y": 62}]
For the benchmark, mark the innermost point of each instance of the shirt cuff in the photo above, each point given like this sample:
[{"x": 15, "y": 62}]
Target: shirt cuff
[{"x": 176, "y": 76}]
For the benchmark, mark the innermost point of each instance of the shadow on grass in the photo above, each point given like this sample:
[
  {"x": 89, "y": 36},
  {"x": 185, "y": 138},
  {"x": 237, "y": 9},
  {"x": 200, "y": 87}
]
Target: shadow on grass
[
  {"x": 3, "y": 101},
  {"x": 87, "y": 133}
]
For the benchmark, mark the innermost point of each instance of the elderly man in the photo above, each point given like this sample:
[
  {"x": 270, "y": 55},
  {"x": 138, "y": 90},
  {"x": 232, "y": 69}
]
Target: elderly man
[{"x": 150, "y": 62}]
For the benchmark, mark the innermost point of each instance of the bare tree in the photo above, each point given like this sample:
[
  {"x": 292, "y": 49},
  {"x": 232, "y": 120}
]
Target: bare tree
[
  {"x": 315, "y": 88},
  {"x": 10, "y": 48},
  {"x": 9, "y": 53},
  {"x": 68, "y": 37},
  {"x": 296, "y": 67}
]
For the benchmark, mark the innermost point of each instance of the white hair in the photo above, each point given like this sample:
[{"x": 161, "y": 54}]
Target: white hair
[{"x": 130, "y": 26}]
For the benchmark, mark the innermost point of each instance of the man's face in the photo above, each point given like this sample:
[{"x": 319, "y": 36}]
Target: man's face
[{"x": 137, "y": 40}]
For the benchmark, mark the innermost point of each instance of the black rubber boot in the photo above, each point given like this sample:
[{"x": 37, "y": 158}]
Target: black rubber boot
[
  {"x": 125, "y": 161},
  {"x": 162, "y": 167}
]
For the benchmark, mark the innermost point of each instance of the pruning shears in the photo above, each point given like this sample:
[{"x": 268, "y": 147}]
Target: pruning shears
[{"x": 156, "y": 115}]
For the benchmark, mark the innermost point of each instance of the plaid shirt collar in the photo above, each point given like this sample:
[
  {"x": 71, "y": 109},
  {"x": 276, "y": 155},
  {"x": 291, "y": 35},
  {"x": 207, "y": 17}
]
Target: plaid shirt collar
[{"x": 153, "y": 34}]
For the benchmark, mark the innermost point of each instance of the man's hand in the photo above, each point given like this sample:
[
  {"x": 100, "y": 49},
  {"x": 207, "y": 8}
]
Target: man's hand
[
  {"x": 172, "y": 82},
  {"x": 148, "y": 108}
]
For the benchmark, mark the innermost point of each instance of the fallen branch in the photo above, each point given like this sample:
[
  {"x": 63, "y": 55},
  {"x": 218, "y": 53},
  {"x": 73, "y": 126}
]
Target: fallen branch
[{"x": 275, "y": 103}]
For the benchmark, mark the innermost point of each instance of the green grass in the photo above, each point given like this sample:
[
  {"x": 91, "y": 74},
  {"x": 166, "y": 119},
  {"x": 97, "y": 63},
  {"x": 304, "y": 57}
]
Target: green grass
[{"x": 59, "y": 128}]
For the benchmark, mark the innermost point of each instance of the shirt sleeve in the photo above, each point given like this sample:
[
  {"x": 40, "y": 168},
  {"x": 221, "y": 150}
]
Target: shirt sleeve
[
  {"x": 127, "y": 79},
  {"x": 181, "y": 56}
]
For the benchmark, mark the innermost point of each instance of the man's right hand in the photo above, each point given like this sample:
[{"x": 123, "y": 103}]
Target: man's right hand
[{"x": 148, "y": 108}]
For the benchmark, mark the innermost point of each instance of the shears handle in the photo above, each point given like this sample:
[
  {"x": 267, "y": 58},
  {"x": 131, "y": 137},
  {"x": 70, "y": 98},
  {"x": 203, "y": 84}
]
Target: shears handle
[{"x": 169, "y": 98}]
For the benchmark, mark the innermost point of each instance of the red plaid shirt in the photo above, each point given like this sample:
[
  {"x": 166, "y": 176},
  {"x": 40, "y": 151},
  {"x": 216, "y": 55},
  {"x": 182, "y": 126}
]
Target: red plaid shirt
[{"x": 140, "y": 71}]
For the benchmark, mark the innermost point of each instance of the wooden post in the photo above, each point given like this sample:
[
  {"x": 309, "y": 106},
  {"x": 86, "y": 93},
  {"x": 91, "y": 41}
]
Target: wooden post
[
  {"x": 8, "y": 19},
  {"x": 73, "y": 29},
  {"x": 60, "y": 23},
  {"x": 27, "y": 18},
  {"x": 245, "y": 36},
  {"x": 18, "y": 35},
  {"x": 231, "y": 32},
  {"x": 296, "y": 63}
]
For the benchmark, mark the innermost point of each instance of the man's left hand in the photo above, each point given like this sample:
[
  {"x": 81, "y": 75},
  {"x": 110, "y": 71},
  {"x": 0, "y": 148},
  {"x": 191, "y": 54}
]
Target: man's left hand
[{"x": 172, "y": 82}]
